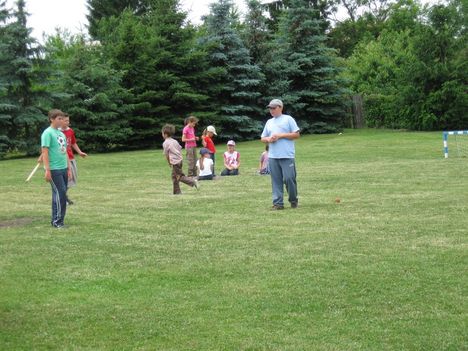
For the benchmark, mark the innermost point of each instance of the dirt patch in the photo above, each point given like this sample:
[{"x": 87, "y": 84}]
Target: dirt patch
[{"x": 17, "y": 222}]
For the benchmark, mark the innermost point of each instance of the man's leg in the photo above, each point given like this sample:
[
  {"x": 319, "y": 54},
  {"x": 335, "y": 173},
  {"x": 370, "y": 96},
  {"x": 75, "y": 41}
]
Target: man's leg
[
  {"x": 276, "y": 181},
  {"x": 289, "y": 178}
]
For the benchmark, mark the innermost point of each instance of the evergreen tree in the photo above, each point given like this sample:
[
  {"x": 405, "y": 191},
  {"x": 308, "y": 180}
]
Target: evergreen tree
[
  {"x": 90, "y": 91},
  {"x": 256, "y": 34},
  {"x": 99, "y": 9},
  {"x": 305, "y": 72},
  {"x": 234, "y": 88},
  {"x": 161, "y": 67},
  {"x": 21, "y": 97},
  {"x": 5, "y": 107}
]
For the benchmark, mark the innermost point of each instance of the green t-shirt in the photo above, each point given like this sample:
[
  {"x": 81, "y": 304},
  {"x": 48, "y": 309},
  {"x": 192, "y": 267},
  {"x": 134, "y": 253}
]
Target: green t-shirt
[{"x": 56, "y": 142}]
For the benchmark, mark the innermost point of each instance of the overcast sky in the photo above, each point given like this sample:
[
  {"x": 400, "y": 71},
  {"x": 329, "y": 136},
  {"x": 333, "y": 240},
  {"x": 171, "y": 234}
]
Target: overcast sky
[{"x": 46, "y": 15}]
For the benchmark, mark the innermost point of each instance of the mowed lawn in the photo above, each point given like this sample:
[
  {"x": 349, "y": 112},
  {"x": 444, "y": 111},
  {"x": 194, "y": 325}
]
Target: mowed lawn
[{"x": 140, "y": 269}]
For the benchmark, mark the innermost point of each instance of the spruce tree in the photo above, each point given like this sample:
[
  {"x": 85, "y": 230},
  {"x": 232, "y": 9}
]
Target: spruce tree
[
  {"x": 5, "y": 107},
  {"x": 160, "y": 64},
  {"x": 90, "y": 91},
  {"x": 101, "y": 9},
  {"x": 304, "y": 70},
  {"x": 22, "y": 96},
  {"x": 234, "y": 88}
]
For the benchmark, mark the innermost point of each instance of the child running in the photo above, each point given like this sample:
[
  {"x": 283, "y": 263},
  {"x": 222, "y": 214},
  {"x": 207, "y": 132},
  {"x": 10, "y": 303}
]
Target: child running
[
  {"x": 231, "y": 160},
  {"x": 71, "y": 145},
  {"x": 190, "y": 140},
  {"x": 174, "y": 159},
  {"x": 207, "y": 140},
  {"x": 205, "y": 165}
]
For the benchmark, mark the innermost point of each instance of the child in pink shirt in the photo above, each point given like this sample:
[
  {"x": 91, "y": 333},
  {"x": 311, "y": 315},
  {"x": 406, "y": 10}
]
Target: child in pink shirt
[{"x": 190, "y": 140}]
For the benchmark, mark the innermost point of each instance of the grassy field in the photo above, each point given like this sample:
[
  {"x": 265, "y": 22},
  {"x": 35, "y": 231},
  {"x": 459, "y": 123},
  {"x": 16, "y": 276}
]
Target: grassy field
[{"x": 140, "y": 269}]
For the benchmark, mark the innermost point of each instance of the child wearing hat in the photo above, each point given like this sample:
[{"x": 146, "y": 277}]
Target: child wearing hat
[
  {"x": 207, "y": 141},
  {"x": 231, "y": 160},
  {"x": 205, "y": 165}
]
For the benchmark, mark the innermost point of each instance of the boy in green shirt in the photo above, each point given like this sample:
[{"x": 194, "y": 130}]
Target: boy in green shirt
[{"x": 56, "y": 164}]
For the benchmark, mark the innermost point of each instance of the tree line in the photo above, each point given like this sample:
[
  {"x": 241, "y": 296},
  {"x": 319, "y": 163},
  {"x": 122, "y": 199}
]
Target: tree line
[{"x": 141, "y": 64}]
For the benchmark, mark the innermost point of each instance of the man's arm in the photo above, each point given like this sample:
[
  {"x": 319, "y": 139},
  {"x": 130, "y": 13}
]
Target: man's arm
[{"x": 45, "y": 160}]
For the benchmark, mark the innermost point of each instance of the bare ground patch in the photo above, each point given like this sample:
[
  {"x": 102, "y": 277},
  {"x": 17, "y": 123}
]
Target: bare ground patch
[{"x": 17, "y": 222}]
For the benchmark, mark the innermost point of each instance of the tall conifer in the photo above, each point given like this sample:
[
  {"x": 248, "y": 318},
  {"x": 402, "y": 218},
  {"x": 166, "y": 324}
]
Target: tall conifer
[{"x": 234, "y": 89}]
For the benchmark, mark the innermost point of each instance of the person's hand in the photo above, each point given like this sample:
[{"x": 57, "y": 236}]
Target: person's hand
[
  {"x": 197, "y": 138},
  {"x": 69, "y": 173},
  {"x": 48, "y": 176},
  {"x": 275, "y": 137},
  {"x": 83, "y": 154}
]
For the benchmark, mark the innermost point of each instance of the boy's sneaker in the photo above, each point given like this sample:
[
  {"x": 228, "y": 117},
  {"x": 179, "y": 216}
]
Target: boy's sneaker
[
  {"x": 195, "y": 184},
  {"x": 58, "y": 226},
  {"x": 294, "y": 204},
  {"x": 69, "y": 201},
  {"x": 277, "y": 207}
]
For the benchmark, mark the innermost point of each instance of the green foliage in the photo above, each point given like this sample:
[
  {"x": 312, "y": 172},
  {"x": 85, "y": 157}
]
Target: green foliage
[
  {"x": 234, "y": 89},
  {"x": 102, "y": 9},
  {"x": 303, "y": 70},
  {"x": 90, "y": 91},
  {"x": 21, "y": 95},
  {"x": 414, "y": 75},
  {"x": 162, "y": 67}
]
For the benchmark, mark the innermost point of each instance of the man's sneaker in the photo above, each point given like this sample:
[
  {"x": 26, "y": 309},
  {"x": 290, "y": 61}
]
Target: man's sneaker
[
  {"x": 195, "y": 184},
  {"x": 69, "y": 201},
  {"x": 277, "y": 207},
  {"x": 294, "y": 204},
  {"x": 58, "y": 226}
]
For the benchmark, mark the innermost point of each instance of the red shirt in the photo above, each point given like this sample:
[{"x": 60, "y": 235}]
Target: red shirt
[
  {"x": 209, "y": 144},
  {"x": 70, "y": 135}
]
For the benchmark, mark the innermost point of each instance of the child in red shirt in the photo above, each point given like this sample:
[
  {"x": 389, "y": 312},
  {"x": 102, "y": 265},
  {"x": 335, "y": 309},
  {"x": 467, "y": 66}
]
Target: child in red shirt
[
  {"x": 71, "y": 143},
  {"x": 207, "y": 141}
]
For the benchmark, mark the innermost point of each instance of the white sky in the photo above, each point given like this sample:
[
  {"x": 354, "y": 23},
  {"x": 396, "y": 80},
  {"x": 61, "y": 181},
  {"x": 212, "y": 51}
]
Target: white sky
[{"x": 46, "y": 15}]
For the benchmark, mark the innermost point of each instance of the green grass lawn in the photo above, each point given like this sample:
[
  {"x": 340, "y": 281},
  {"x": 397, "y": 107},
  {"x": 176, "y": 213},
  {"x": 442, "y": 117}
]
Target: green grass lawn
[{"x": 140, "y": 269}]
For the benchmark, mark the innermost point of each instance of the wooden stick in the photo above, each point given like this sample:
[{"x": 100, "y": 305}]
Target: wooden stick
[{"x": 33, "y": 171}]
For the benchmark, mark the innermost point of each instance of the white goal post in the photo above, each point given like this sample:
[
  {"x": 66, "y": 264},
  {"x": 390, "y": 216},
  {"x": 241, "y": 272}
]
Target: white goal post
[{"x": 460, "y": 141}]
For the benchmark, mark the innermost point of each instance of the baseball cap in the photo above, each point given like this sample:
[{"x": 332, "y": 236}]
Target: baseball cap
[
  {"x": 211, "y": 129},
  {"x": 275, "y": 102},
  {"x": 231, "y": 142},
  {"x": 204, "y": 151}
]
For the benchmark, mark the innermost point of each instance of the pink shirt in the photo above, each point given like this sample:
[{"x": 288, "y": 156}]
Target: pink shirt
[
  {"x": 231, "y": 159},
  {"x": 189, "y": 133}
]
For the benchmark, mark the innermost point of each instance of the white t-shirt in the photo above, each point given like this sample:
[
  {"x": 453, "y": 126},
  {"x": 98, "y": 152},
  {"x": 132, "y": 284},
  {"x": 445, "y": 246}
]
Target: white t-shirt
[{"x": 207, "y": 166}]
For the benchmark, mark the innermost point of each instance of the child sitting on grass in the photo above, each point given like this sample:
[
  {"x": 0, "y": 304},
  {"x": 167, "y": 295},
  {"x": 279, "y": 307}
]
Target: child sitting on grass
[
  {"x": 231, "y": 160},
  {"x": 263, "y": 165},
  {"x": 205, "y": 165}
]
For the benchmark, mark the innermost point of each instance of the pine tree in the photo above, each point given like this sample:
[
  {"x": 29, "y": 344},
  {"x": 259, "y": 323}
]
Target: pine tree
[
  {"x": 304, "y": 70},
  {"x": 22, "y": 97},
  {"x": 160, "y": 64},
  {"x": 5, "y": 107},
  {"x": 90, "y": 91},
  {"x": 256, "y": 34},
  {"x": 100, "y": 9},
  {"x": 234, "y": 89}
]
